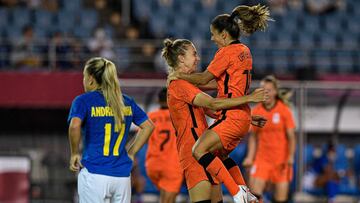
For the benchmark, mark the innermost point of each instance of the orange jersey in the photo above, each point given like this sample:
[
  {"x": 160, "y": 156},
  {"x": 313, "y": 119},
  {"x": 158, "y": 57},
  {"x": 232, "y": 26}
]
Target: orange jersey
[
  {"x": 232, "y": 67},
  {"x": 189, "y": 121},
  {"x": 162, "y": 143},
  {"x": 272, "y": 139}
]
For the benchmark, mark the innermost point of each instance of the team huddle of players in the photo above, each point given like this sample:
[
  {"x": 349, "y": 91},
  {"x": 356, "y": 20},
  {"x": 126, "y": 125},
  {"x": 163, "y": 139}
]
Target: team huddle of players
[{"x": 181, "y": 144}]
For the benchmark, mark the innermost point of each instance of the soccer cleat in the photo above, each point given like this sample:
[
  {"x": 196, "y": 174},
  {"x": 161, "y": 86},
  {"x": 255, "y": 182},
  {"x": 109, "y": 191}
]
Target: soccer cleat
[{"x": 244, "y": 196}]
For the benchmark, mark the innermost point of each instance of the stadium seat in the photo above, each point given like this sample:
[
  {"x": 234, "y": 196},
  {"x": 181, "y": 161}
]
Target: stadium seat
[
  {"x": 88, "y": 18},
  {"x": 72, "y": 5},
  {"x": 21, "y": 17},
  {"x": 66, "y": 21},
  {"x": 344, "y": 61},
  {"x": 322, "y": 61},
  {"x": 4, "y": 17},
  {"x": 13, "y": 32},
  {"x": 44, "y": 19}
]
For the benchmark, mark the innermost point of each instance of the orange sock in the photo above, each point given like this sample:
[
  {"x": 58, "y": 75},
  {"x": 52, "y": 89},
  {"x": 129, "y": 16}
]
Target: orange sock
[
  {"x": 217, "y": 169},
  {"x": 234, "y": 171}
]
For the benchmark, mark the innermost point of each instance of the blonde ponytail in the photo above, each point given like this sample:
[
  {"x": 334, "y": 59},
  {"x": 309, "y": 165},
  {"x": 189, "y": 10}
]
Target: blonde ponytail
[
  {"x": 111, "y": 89},
  {"x": 104, "y": 72}
]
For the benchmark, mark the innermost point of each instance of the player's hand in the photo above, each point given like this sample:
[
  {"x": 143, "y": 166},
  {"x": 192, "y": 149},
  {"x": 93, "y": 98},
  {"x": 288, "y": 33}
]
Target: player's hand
[
  {"x": 172, "y": 76},
  {"x": 247, "y": 162},
  {"x": 75, "y": 164},
  {"x": 259, "y": 95},
  {"x": 258, "y": 121}
]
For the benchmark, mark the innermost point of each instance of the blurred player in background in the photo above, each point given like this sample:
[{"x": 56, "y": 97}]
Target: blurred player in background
[
  {"x": 102, "y": 117},
  {"x": 272, "y": 148},
  {"x": 186, "y": 104},
  {"x": 162, "y": 160},
  {"x": 231, "y": 68}
]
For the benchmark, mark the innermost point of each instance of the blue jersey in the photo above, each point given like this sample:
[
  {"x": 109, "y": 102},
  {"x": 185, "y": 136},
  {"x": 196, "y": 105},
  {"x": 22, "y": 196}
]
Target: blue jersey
[{"x": 104, "y": 142}]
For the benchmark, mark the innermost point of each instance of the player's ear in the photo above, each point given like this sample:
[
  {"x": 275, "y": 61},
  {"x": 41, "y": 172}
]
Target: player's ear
[
  {"x": 224, "y": 34},
  {"x": 91, "y": 80},
  {"x": 181, "y": 58}
]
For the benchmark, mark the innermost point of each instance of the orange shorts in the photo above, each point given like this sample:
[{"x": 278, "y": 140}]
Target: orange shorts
[
  {"x": 275, "y": 173},
  {"x": 230, "y": 132},
  {"x": 165, "y": 180},
  {"x": 195, "y": 173}
]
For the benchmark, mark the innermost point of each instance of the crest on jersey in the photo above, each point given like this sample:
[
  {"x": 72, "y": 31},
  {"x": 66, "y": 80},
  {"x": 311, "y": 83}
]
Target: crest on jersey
[{"x": 276, "y": 118}]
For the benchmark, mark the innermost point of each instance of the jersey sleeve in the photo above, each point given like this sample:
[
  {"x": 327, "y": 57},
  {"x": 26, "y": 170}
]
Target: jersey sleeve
[
  {"x": 219, "y": 64},
  {"x": 289, "y": 119},
  {"x": 185, "y": 91},
  {"x": 78, "y": 109},
  {"x": 139, "y": 116}
]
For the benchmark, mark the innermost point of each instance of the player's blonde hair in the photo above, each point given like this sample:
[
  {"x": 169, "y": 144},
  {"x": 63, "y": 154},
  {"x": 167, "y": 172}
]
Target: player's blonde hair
[
  {"x": 171, "y": 51},
  {"x": 243, "y": 20},
  {"x": 282, "y": 94},
  {"x": 105, "y": 74}
]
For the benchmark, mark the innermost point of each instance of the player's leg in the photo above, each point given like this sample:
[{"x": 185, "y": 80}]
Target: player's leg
[
  {"x": 201, "y": 192},
  {"x": 92, "y": 188},
  {"x": 202, "y": 149},
  {"x": 281, "y": 179},
  {"x": 281, "y": 192},
  {"x": 260, "y": 173},
  {"x": 234, "y": 170},
  {"x": 167, "y": 197},
  {"x": 216, "y": 194},
  {"x": 170, "y": 184},
  {"x": 122, "y": 190},
  {"x": 257, "y": 187}
]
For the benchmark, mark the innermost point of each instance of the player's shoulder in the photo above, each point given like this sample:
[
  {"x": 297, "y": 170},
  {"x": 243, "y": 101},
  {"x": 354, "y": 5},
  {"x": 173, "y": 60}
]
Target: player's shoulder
[
  {"x": 180, "y": 84},
  {"x": 88, "y": 96},
  {"x": 128, "y": 100},
  {"x": 283, "y": 107}
]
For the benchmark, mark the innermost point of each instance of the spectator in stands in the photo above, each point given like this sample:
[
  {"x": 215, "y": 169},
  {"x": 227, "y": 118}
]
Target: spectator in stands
[
  {"x": 165, "y": 3},
  {"x": 78, "y": 50},
  {"x": 27, "y": 53},
  {"x": 117, "y": 25},
  {"x": 329, "y": 172},
  {"x": 277, "y": 7},
  {"x": 62, "y": 49},
  {"x": 102, "y": 8},
  {"x": 297, "y": 5},
  {"x": 327, "y": 176},
  {"x": 319, "y": 7},
  {"x": 101, "y": 44},
  {"x": 142, "y": 54}
]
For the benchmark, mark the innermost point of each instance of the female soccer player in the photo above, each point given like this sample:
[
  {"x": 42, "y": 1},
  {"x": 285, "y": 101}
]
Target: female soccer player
[
  {"x": 271, "y": 149},
  {"x": 162, "y": 160},
  {"x": 102, "y": 117},
  {"x": 186, "y": 104},
  {"x": 231, "y": 68}
]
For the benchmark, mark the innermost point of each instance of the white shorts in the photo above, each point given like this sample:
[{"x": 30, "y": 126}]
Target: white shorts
[{"x": 96, "y": 188}]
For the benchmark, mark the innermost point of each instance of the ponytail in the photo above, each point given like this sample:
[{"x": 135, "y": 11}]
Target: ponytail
[
  {"x": 105, "y": 74},
  {"x": 243, "y": 20}
]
